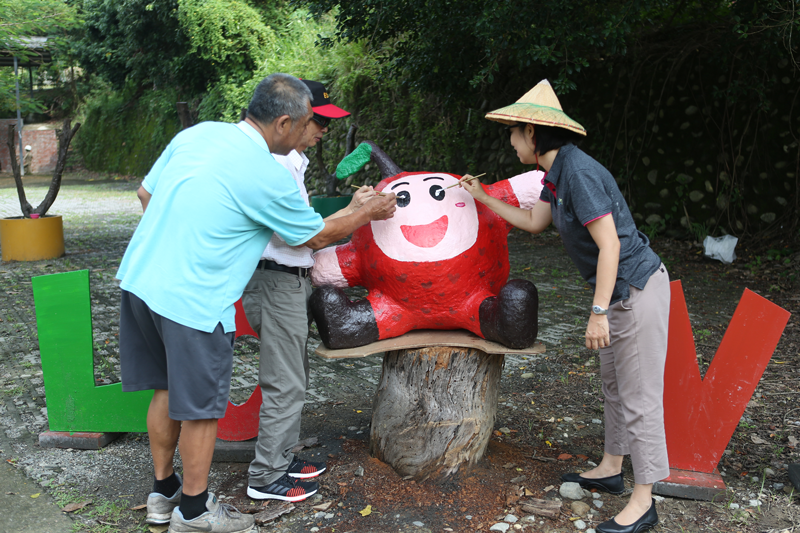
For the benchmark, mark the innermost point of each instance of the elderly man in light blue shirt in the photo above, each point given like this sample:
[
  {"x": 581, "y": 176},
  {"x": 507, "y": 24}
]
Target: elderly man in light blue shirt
[{"x": 212, "y": 201}]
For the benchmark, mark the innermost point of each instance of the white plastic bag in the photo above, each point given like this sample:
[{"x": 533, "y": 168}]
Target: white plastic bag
[{"x": 721, "y": 248}]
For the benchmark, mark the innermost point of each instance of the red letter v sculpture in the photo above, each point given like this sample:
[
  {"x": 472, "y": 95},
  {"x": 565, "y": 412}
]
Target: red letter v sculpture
[{"x": 701, "y": 414}]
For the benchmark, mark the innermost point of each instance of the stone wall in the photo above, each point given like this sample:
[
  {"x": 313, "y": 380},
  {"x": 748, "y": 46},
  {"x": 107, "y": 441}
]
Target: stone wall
[{"x": 43, "y": 142}]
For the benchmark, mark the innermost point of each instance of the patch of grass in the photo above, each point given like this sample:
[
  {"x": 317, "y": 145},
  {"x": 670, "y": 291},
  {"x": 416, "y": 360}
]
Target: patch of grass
[
  {"x": 64, "y": 497},
  {"x": 15, "y": 391},
  {"x": 108, "y": 515},
  {"x": 100, "y": 516}
]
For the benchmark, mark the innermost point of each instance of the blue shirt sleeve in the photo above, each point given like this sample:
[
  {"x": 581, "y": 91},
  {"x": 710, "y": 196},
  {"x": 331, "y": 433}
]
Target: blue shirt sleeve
[
  {"x": 151, "y": 179},
  {"x": 588, "y": 197},
  {"x": 291, "y": 218}
]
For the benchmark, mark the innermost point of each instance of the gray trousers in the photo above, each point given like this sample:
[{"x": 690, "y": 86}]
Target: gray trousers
[
  {"x": 632, "y": 369},
  {"x": 275, "y": 304}
]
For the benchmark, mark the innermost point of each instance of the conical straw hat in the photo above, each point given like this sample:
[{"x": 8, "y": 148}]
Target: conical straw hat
[{"x": 540, "y": 105}]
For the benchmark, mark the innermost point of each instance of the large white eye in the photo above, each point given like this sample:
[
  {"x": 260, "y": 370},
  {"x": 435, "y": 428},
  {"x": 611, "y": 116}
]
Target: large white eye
[
  {"x": 437, "y": 192},
  {"x": 403, "y": 198}
]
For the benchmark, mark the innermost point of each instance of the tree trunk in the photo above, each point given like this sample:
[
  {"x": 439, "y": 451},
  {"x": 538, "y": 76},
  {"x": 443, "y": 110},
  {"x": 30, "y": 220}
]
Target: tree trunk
[
  {"x": 65, "y": 136},
  {"x": 351, "y": 139},
  {"x": 327, "y": 178},
  {"x": 185, "y": 115},
  {"x": 434, "y": 409},
  {"x": 24, "y": 205}
]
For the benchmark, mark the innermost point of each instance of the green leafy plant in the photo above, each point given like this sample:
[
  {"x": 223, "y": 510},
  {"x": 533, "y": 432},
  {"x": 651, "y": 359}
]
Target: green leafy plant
[
  {"x": 699, "y": 231},
  {"x": 653, "y": 229},
  {"x": 701, "y": 335}
]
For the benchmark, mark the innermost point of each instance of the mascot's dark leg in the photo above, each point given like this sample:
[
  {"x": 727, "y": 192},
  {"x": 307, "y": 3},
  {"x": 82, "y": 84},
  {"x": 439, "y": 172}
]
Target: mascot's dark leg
[
  {"x": 512, "y": 317},
  {"x": 342, "y": 323}
]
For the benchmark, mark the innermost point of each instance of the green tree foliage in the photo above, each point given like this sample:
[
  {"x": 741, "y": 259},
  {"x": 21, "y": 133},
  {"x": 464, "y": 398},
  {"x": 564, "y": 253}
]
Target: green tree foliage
[
  {"x": 662, "y": 85},
  {"x": 20, "y": 20},
  {"x": 8, "y": 100},
  {"x": 185, "y": 44},
  {"x": 226, "y": 33},
  {"x": 452, "y": 46},
  {"x": 126, "y": 128},
  {"x": 118, "y": 136},
  {"x": 140, "y": 40},
  {"x": 693, "y": 105},
  {"x": 293, "y": 50}
]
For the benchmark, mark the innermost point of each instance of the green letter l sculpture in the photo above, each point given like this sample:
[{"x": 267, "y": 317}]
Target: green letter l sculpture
[{"x": 74, "y": 402}]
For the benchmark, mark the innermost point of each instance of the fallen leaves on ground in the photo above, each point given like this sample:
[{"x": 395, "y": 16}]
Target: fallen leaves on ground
[{"x": 72, "y": 507}]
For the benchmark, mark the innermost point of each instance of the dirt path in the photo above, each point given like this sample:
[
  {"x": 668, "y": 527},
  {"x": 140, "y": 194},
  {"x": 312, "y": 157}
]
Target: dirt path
[{"x": 551, "y": 405}]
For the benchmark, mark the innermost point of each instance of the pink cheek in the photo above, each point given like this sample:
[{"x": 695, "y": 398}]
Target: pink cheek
[{"x": 460, "y": 204}]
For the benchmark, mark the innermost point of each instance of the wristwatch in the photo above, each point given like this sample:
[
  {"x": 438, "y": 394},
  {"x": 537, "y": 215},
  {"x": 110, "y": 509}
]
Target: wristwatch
[{"x": 596, "y": 309}]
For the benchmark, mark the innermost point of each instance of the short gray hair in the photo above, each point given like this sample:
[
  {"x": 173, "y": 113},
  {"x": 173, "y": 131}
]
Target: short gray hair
[{"x": 279, "y": 94}]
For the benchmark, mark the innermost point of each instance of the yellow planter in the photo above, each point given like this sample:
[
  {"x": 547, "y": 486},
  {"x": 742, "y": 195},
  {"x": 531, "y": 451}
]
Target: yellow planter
[{"x": 27, "y": 239}]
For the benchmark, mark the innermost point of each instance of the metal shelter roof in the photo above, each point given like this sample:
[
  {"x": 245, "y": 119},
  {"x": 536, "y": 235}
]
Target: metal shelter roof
[{"x": 37, "y": 53}]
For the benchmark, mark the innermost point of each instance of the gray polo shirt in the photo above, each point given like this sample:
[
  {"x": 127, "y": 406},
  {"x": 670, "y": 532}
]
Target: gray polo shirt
[{"x": 579, "y": 191}]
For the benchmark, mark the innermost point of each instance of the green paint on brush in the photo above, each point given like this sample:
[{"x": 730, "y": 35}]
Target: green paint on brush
[{"x": 354, "y": 162}]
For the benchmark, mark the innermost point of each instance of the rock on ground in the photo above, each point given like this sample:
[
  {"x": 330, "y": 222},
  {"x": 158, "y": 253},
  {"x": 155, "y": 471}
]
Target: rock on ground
[{"x": 570, "y": 490}]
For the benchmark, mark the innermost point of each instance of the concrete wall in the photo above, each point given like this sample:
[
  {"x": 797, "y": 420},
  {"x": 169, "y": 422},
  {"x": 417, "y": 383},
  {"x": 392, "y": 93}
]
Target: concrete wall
[{"x": 42, "y": 140}]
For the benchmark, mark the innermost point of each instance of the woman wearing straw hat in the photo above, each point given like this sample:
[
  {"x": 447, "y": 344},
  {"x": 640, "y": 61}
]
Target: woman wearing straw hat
[{"x": 628, "y": 321}]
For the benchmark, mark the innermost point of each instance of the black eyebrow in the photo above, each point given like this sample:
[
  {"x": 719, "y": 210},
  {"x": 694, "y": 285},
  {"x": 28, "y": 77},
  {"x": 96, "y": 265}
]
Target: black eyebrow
[
  {"x": 398, "y": 184},
  {"x": 433, "y": 178}
]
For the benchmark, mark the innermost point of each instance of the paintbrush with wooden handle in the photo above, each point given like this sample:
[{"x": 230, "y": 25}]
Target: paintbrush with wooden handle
[
  {"x": 468, "y": 179},
  {"x": 359, "y": 186}
]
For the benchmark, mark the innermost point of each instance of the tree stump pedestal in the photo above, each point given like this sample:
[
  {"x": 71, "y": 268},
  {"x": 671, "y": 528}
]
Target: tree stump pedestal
[{"x": 436, "y": 401}]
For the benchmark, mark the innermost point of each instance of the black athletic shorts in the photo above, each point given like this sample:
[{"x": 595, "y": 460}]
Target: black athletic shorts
[{"x": 157, "y": 353}]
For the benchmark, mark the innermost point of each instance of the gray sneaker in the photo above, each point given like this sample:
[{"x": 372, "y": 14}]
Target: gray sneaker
[
  {"x": 159, "y": 507},
  {"x": 220, "y": 518}
]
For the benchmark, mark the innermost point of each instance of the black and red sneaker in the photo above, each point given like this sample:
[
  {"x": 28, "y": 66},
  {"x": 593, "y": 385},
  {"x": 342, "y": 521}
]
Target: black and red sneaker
[
  {"x": 304, "y": 469},
  {"x": 284, "y": 488}
]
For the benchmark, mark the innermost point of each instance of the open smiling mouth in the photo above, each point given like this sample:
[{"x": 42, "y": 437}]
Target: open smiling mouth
[{"x": 426, "y": 235}]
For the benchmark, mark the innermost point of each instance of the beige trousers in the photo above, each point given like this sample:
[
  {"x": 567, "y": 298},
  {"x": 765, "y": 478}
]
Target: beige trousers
[
  {"x": 275, "y": 304},
  {"x": 632, "y": 370}
]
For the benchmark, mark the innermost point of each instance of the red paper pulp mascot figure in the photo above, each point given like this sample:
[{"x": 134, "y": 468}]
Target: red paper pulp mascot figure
[{"x": 440, "y": 263}]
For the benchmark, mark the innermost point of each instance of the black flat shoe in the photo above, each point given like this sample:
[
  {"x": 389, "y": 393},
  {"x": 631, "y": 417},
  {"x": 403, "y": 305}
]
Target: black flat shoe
[
  {"x": 647, "y": 521},
  {"x": 610, "y": 484}
]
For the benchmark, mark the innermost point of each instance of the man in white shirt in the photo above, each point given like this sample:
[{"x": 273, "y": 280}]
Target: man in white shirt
[{"x": 275, "y": 302}]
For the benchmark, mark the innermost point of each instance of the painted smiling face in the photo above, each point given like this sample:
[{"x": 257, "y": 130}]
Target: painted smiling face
[{"x": 432, "y": 223}]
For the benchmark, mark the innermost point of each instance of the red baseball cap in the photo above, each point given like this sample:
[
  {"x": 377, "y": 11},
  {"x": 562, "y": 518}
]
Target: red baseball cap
[{"x": 321, "y": 102}]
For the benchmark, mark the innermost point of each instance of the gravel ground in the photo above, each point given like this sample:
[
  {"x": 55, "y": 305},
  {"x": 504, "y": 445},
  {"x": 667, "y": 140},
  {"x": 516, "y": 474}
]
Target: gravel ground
[{"x": 550, "y": 404}]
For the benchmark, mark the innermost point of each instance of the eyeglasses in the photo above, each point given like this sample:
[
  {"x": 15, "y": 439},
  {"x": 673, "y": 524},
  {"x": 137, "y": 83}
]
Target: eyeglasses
[
  {"x": 324, "y": 122},
  {"x": 511, "y": 127}
]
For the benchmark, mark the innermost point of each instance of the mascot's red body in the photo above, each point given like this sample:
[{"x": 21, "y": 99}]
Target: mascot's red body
[{"x": 439, "y": 263}]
